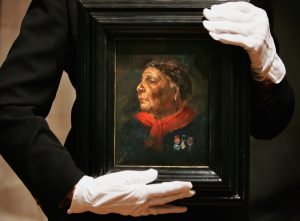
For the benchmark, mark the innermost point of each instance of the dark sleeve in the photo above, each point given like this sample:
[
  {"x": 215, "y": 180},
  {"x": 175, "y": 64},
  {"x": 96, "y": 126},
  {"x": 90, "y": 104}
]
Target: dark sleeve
[
  {"x": 272, "y": 108},
  {"x": 29, "y": 80}
]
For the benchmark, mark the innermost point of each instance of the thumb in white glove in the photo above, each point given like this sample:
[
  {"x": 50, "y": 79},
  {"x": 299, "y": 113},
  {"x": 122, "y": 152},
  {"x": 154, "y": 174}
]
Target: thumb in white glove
[
  {"x": 127, "y": 193},
  {"x": 245, "y": 25}
]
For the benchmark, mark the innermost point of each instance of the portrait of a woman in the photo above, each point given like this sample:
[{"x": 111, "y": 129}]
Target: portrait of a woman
[{"x": 165, "y": 131}]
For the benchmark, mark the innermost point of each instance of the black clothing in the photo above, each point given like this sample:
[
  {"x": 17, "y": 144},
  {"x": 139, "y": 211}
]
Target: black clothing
[
  {"x": 271, "y": 109},
  {"x": 29, "y": 79},
  {"x": 28, "y": 83}
]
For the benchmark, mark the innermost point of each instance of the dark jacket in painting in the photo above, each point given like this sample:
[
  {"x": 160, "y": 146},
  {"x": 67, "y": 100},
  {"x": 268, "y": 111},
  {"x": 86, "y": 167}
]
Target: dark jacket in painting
[{"x": 180, "y": 146}]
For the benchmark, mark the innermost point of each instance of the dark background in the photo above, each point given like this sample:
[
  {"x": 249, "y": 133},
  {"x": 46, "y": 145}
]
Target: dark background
[{"x": 275, "y": 164}]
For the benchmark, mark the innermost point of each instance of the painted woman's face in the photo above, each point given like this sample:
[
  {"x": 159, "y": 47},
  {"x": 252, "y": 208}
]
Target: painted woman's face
[{"x": 156, "y": 94}]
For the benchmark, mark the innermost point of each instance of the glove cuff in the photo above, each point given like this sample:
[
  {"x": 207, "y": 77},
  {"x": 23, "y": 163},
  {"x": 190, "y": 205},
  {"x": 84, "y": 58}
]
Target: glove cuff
[
  {"x": 274, "y": 74},
  {"x": 271, "y": 67},
  {"x": 80, "y": 201},
  {"x": 277, "y": 70},
  {"x": 263, "y": 58}
]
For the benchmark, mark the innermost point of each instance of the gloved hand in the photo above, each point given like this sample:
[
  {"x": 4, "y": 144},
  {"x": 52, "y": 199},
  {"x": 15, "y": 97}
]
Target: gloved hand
[
  {"x": 127, "y": 193},
  {"x": 245, "y": 25}
]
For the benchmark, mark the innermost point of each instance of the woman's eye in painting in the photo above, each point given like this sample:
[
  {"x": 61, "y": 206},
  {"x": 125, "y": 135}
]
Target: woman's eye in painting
[{"x": 151, "y": 80}]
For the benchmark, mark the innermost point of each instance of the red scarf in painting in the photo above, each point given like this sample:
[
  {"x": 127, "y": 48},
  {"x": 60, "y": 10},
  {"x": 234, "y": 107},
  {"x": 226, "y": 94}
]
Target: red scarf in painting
[{"x": 160, "y": 127}]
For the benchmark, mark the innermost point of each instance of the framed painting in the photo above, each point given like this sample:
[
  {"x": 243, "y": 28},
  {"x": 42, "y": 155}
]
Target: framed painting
[{"x": 157, "y": 92}]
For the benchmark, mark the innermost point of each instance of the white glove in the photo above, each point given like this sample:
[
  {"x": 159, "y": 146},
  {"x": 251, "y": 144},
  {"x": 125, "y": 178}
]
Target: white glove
[
  {"x": 245, "y": 25},
  {"x": 127, "y": 193}
]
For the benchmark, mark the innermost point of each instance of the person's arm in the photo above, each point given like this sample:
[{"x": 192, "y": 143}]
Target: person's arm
[
  {"x": 29, "y": 79},
  {"x": 272, "y": 107},
  {"x": 272, "y": 99}
]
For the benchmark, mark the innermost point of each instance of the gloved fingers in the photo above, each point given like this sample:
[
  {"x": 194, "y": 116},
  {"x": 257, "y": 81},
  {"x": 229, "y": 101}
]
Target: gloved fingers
[
  {"x": 167, "y": 188},
  {"x": 165, "y": 209},
  {"x": 128, "y": 177},
  {"x": 220, "y": 27},
  {"x": 234, "y": 39},
  {"x": 227, "y": 15},
  {"x": 239, "y": 6},
  {"x": 170, "y": 198},
  {"x": 140, "y": 177}
]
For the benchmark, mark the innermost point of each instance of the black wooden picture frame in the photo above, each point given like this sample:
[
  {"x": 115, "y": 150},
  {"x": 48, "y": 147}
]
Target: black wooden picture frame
[{"x": 109, "y": 30}]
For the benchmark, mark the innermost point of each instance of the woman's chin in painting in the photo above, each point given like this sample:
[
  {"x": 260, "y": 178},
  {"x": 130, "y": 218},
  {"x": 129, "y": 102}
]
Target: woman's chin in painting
[{"x": 145, "y": 105}]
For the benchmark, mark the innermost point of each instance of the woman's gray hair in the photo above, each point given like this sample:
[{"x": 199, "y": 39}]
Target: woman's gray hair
[{"x": 177, "y": 72}]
